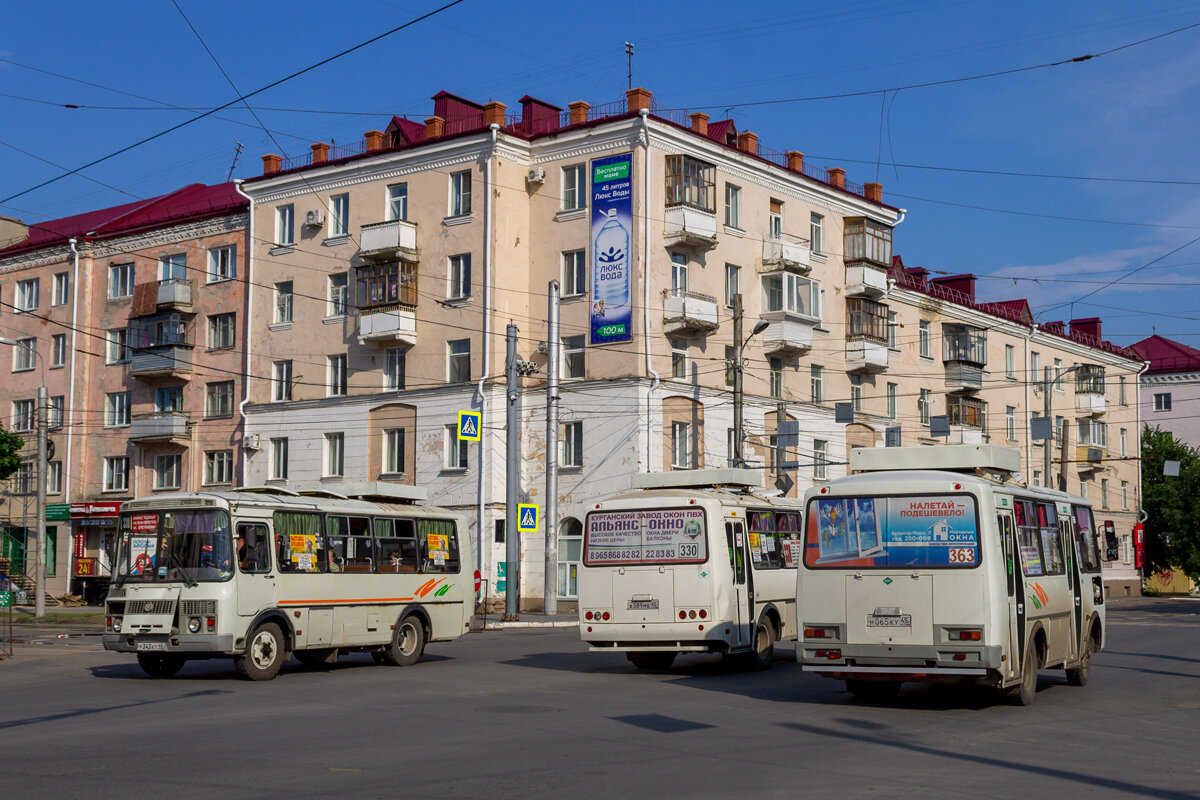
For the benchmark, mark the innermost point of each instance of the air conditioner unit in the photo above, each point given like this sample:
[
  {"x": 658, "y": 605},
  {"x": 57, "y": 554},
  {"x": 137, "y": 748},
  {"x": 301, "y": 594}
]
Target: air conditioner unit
[
  {"x": 536, "y": 175},
  {"x": 250, "y": 441},
  {"x": 543, "y": 347},
  {"x": 314, "y": 218},
  {"x": 1095, "y": 455}
]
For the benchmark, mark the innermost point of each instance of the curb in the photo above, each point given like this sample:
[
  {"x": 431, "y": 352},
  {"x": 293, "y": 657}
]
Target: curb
[{"x": 499, "y": 626}]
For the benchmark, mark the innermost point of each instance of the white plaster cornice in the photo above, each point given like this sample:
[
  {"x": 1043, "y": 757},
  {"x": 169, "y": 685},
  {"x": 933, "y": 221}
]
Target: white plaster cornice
[
  {"x": 125, "y": 245},
  {"x": 36, "y": 258},
  {"x": 1171, "y": 379}
]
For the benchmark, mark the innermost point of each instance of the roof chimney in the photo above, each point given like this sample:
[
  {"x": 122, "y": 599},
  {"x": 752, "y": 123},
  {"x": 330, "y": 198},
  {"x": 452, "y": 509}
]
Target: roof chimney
[
  {"x": 700, "y": 123},
  {"x": 434, "y": 127},
  {"x": 373, "y": 140},
  {"x": 493, "y": 113},
  {"x": 271, "y": 163},
  {"x": 638, "y": 99},
  {"x": 963, "y": 284},
  {"x": 873, "y": 192},
  {"x": 747, "y": 142},
  {"x": 1090, "y": 326},
  {"x": 795, "y": 160},
  {"x": 837, "y": 177},
  {"x": 320, "y": 152},
  {"x": 579, "y": 111}
]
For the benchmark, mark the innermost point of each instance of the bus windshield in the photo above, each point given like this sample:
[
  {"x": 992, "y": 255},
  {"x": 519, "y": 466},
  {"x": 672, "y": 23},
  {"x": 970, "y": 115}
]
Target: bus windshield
[
  {"x": 908, "y": 531},
  {"x": 649, "y": 536},
  {"x": 176, "y": 545}
]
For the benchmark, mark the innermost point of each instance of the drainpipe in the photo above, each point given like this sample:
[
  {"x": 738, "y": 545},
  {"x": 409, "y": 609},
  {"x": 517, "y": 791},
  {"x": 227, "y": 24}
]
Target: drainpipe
[
  {"x": 487, "y": 344},
  {"x": 248, "y": 338},
  {"x": 1029, "y": 415},
  {"x": 70, "y": 412},
  {"x": 1137, "y": 403},
  {"x": 654, "y": 379}
]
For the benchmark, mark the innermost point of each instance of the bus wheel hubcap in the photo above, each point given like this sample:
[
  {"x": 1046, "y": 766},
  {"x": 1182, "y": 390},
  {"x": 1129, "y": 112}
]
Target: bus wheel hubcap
[
  {"x": 408, "y": 639},
  {"x": 264, "y": 650}
]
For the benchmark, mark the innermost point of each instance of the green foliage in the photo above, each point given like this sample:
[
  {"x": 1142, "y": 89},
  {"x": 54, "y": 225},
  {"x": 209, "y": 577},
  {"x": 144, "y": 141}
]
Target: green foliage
[
  {"x": 10, "y": 449},
  {"x": 1172, "y": 504}
]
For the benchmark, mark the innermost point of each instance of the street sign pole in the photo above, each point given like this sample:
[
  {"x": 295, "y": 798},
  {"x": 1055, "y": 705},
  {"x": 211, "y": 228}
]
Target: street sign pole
[
  {"x": 552, "y": 344},
  {"x": 512, "y": 482}
]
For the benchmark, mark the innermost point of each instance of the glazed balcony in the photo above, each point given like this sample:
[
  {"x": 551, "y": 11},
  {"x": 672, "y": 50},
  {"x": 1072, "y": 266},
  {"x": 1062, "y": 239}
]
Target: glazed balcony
[
  {"x": 1089, "y": 390},
  {"x": 964, "y": 354},
  {"x": 690, "y": 312},
  {"x": 389, "y": 241},
  {"x": 968, "y": 419}
]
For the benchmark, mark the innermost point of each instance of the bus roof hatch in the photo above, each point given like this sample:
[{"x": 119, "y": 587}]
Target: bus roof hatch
[
  {"x": 950, "y": 457},
  {"x": 369, "y": 490},
  {"x": 698, "y": 478}
]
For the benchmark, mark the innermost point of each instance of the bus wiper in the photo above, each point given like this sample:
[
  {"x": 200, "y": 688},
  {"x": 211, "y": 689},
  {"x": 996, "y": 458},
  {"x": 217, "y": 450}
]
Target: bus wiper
[{"x": 188, "y": 580}]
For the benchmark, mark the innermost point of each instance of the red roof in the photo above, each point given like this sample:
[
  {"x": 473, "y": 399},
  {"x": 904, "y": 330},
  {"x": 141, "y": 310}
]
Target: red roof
[
  {"x": 1167, "y": 355},
  {"x": 196, "y": 201}
]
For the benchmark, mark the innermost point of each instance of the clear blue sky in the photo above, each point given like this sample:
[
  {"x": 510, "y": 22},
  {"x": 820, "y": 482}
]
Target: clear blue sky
[{"x": 1131, "y": 114}]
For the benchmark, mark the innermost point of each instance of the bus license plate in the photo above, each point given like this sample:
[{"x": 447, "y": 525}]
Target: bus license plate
[
  {"x": 901, "y": 621},
  {"x": 151, "y": 646},
  {"x": 643, "y": 605}
]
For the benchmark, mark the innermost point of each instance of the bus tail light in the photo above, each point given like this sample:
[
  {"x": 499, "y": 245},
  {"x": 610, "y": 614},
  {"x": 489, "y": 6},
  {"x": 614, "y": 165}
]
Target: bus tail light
[
  {"x": 817, "y": 633},
  {"x": 588, "y": 615},
  {"x": 605, "y": 616},
  {"x": 703, "y": 614},
  {"x": 835, "y": 654},
  {"x": 960, "y": 656},
  {"x": 972, "y": 635},
  {"x": 682, "y": 614},
  {"x": 212, "y": 623},
  {"x": 692, "y": 613}
]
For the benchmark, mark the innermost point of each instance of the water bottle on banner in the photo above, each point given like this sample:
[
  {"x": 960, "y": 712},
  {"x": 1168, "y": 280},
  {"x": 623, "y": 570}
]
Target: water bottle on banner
[{"x": 611, "y": 292}]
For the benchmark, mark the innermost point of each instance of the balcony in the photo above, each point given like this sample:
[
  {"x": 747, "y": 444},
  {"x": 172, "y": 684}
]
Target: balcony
[
  {"x": 1090, "y": 404},
  {"x": 389, "y": 241},
  {"x": 866, "y": 355},
  {"x": 786, "y": 253},
  {"x": 788, "y": 334},
  {"x": 963, "y": 377},
  {"x": 175, "y": 294},
  {"x": 171, "y": 361},
  {"x": 865, "y": 280},
  {"x": 1090, "y": 458},
  {"x": 1089, "y": 389},
  {"x": 968, "y": 418},
  {"x": 690, "y": 227},
  {"x": 964, "y": 354},
  {"x": 689, "y": 311},
  {"x": 388, "y": 326},
  {"x": 161, "y": 427}
]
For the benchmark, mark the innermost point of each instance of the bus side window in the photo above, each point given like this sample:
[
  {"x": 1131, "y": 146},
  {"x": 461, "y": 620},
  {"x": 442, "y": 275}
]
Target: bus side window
[
  {"x": 299, "y": 542},
  {"x": 337, "y": 529},
  {"x": 764, "y": 546},
  {"x": 787, "y": 529},
  {"x": 360, "y": 546},
  {"x": 1027, "y": 540},
  {"x": 396, "y": 544},
  {"x": 1004, "y": 526},
  {"x": 1086, "y": 539},
  {"x": 253, "y": 549},
  {"x": 1051, "y": 546},
  {"x": 438, "y": 542}
]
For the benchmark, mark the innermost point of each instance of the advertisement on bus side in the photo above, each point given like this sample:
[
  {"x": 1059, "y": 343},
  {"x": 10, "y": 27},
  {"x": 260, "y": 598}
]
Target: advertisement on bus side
[
  {"x": 658, "y": 536},
  {"x": 918, "y": 531}
]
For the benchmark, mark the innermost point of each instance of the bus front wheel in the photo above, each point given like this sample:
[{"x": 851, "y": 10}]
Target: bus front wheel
[
  {"x": 1078, "y": 676},
  {"x": 764, "y": 647},
  {"x": 657, "y": 660},
  {"x": 1024, "y": 692},
  {"x": 160, "y": 665},
  {"x": 264, "y": 654},
  {"x": 407, "y": 644}
]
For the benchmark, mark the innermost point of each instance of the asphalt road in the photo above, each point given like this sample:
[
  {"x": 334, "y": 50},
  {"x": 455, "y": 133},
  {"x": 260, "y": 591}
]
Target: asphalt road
[{"x": 530, "y": 713}]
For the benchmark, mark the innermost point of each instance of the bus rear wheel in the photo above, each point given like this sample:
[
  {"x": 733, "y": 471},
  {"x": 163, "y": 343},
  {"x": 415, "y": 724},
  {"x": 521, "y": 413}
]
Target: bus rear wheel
[
  {"x": 764, "y": 647},
  {"x": 264, "y": 654},
  {"x": 1024, "y": 692},
  {"x": 1078, "y": 676},
  {"x": 160, "y": 665},
  {"x": 655, "y": 660},
  {"x": 407, "y": 643},
  {"x": 873, "y": 691}
]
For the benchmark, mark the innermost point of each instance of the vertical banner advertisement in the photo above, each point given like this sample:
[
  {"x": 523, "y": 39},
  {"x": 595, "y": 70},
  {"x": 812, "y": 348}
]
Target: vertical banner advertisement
[{"x": 612, "y": 224}]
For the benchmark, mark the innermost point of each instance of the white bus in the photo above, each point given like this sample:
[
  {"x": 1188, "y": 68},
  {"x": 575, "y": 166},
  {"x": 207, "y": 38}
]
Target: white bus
[
  {"x": 932, "y": 565},
  {"x": 696, "y": 561},
  {"x": 258, "y": 574}
]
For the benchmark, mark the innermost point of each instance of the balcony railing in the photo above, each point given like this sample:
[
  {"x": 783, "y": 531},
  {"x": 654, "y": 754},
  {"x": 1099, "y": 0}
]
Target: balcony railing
[
  {"x": 169, "y": 361},
  {"x": 175, "y": 293},
  {"x": 386, "y": 326},
  {"x": 788, "y": 253},
  {"x": 787, "y": 333},
  {"x": 1090, "y": 403},
  {"x": 389, "y": 240},
  {"x": 688, "y": 226},
  {"x": 865, "y": 280},
  {"x": 961, "y": 376},
  {"x": 163, "y": 425},
  {"x": 689, "y": 311},
  {"x": 866, "y": 355}
]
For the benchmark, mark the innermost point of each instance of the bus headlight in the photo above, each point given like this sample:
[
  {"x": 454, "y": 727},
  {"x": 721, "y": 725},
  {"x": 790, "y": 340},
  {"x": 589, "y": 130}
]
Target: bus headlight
[{"x": 194, "y": 624}]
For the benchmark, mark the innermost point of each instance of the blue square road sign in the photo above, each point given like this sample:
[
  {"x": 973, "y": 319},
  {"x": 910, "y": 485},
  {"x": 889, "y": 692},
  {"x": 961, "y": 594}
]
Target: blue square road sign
[
  {"x": 470, "y": 425},
  {"x": 527, "y": 517}
]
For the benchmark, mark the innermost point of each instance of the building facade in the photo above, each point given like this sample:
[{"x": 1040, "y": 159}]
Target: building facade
[{"x": 1170, "y": 386}]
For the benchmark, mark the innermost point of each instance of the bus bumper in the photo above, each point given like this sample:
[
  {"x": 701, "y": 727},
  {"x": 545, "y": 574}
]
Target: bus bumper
[
  {"x": 202, "y": 644},
  {"x": 665, "y": 637},
  {"x": 906, "y": 662}
]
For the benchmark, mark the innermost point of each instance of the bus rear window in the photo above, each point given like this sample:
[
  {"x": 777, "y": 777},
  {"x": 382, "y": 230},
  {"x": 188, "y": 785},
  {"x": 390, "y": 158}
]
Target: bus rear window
[
  {"x": 652, "y": 536},
  {"x": 924, "y": 531}
]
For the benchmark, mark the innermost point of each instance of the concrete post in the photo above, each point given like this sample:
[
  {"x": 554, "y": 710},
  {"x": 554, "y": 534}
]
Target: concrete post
[
  {"x": 39, "y": 557},
  {"x": 512, "y": 481},
  {"x": 551, "y": 521}
]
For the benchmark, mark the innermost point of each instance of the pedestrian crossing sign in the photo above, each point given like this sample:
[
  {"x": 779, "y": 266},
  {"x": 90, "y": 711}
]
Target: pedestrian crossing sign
[
  {"x": 527, "y": 517},
  {"x": 469, "y": 425}
]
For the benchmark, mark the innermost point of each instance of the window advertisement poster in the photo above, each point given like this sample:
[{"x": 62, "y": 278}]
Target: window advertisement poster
[
  {"x": 612, "y": 227},
  {"x": 141, "y": 554},
  {"x": 303, "y": 550},
  {"x": 925, "y": 531},
  {"x": 659, "y": 536}
]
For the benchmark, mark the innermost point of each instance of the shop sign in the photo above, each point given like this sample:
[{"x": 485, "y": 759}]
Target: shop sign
[
  {"x": 58, "y": 511},
  {"x": 85, "y": 567},
  {"x": 110, "y": 509}
]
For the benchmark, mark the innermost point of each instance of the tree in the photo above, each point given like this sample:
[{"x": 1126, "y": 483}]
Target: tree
[
  {"x": 10, "y": 449},
  {"x": 1171, "y": 503}
]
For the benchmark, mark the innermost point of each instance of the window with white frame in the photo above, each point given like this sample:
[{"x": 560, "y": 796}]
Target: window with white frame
[
  {"x": 281, "y": 380},
  {"x": 570, "y": 548},
  {"x": 218, "y": 466},
  {"x": 116, "y": 474},
  {"x": 891, "y": 400},
  {"x": 393, "y": 369},
  {"x": 730, "y": 364},
  {"x": 460, "y": 277},
  {"x": 458, "y": 361},
  {"x": 730, "y": 447},
  {"x": 820, "y": 459},
  {"x": 27, "y": 294},
  {"x": 339, "y": 215},
  {"x": 775, "y": 219},
  {"x": 283, "y": 302},
  {"x": 285, "y": 225},
  {"x": 572, "y": 358},
  {"x": 54, "y": 415},
  {"x": 218, "y": 399},
  {"x": 893, "y": 331},
  {"x": 336, "y": 378},
  {"x": 1035, "y": 370},
  {"x": 24, "y": 415},
  {"x": 279, "y": 458},
  {"x": 856, "y": 392},
  {"x": 1124, "y": 451},
  {"x": 924, "y": 400},
  {"x": 1058, "y": 375},
  {"x": 117, "y": 350},
  {"x": 775, "y": 366},
  {"x": 816, "y": 382},
  {"x": 335, "y": 455},
  {"x": 23, "y": 482},
  {"x": 172, "y": 268},
  {"x": 221, "y": 331},
  {"x": 58, "y": 350},
  {"x": 679, "y": 273},
  {"x": 397, "y": 201},
  {"x": 222, "y": 263},
  {"x": 460, "y": 193},
  {"x": 167, "y": 470},
  {"x": 785, "y": 291},
  {"x": 679, "y": 358},
  {"x": 336, "y": 306},
  {"x": 455, "y": 449},
  {"x": 574, "y": 187},
  {"x": 1121, "y": 391},
  {"x": 116, "y": 409},
  {"x": 570, "y": 444},
  {"x": 393, "y": 451},
  {"x": 1092, "y": 433},
  {"x": 733, "y": 206},
  {"x": 62, "y": 289},
  {"x": 574, "y": 273},
  {"x": 24, "y": 354},
  {"x": 681, "y": 445},
  {"x": 1124, "y": 495},
  {"x": 54, "y": 477},
  {"x": 1010, "y": 362},
  {"x": 1104, "y": 492},
  {"x": 1010, "y": 423},
  {"x": 816, "y": 233},
  {"x": 733, "y": 284},
  {"x": 923, "y": 339},
  {"x": 120, "y": 281},
  {"x": 1162, "y": 401},
  {"x": 1059, "y": 429}
]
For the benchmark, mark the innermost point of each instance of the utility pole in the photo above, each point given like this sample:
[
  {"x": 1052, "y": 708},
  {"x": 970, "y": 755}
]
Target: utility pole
[
  {"x": 39, "y": 559},
  {"x": 512, "y": 481},
  {"x": 738, "y": 421},
  {"x": 551, "y": 521},
  {"x": 1047, "y": 447}
]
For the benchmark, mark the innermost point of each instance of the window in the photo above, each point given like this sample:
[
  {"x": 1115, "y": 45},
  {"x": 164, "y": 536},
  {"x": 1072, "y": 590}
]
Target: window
[
  {"x": 1035, "y": 369},
  {"x": 120, "y": 281},
  {"x": 117, "y": 351},
  {"x": 570, "y": 548},
  {"x": 168, "y": 399},
  {"x": 285, "y": 220},
  {"x": 339, "y": 215},
  {"x": 572, "y": 357},
  {"x": 336, "y": 378},
  {"x": 1092, "y": 433},
  {"x": 116, "y": 474},
  {"x": 1058, "y": 373},
  {"x": 167, "y": 470},
  {"x": 27, "y": 294},
  {"x": 856, "y": 393},
  {"x": 1121, "y": 391},
  {"x": 460, "y": 193},
  {"x": 1059, "y": 428},
  {"x": 458, "y": 361},
  {"x": 1010, "y": 362},
  {"x": 691, "y": 182},
  {"x": 785, "y": 291},
  {"x": 393, "y": 370},
  {"x": 1037, "y": 477},
  {"x": 733, "y": 284},
  {"x": 1124, "y": 495},
  {"x": 397, "y": 201},
  {"x": 816, "y": 380},
  {"x": 681, "y": 445},
  {"x": 455, "y": 449},
  {"x": 820, "y": 459},
  {"x": 679, "y": 359},
  {"x": 116, "y": 409},
  {"x": 397, "y": 545},
  {"x": 54, "y": 478},
  {"x": 393, "y": 451},
  {"x": 574, "y": 192},
  {"x": 387, "y": 284},
  {"x": 438, "y": 543},
  {"x": 279, "y": 459},
  {"x": 172, "y": 268},
  {"x": 866, "y": 319},
  {"x": 337, "y": 295},
  {"x": 283, "y": 302},
  {"x": 574, "y": 273},
  {"x": 460, "y": 277},
  {"x": 816, "y": 233},
  {"x": 1162, "y": 401},
  {"x": 730, "y": 364},
  {"x": 776, "y": 367},
  {"x": 221, "y": 329},
  {"x": 924, "y": 401},
  {"x": 923, "y": 340},
  {"x": 24, "y": 415},
  {"x": 24, "y": 354},
  {"x": 282, "y": 380},
  {"x": 218, "y": 466},
  {"x": 1010, "y": 423},
  {"x": 570, "y": 445},
  {"x": 62, "y": 289},
  {"x": 679, "y": 273},
  {"x": 22, "y": 480},
  {"x": 335, "y": 455},
  {"x": 58, "y": 350},
  {"x": 1104, "y": 492},
  {"x": 893, "y": 331},
  {"x": 730, "y": 447},
  {"x": 867, "y": 240},
  {"x": 733, "y": 206},
  {"x": 1124, "y": 451},
  {"x": 775, "y": 219},
  {"x": 54, "y": 412},
  {"x": 891, "y": 400},
  {"x": 218, "y": 399},
  {"x": 222, "y": 263}
]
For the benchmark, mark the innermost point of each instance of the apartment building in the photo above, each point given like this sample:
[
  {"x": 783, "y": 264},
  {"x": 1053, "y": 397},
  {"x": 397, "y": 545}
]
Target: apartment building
[
  {"x": 1169, "y": 387},
  {"x": 386, "y": 272},
  {"x": 133, "y": 317}
]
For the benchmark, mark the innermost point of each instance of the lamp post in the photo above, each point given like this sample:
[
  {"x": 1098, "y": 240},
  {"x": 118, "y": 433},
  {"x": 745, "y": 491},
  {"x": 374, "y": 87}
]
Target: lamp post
[
  {"x": 1047, "y": 387},
  {"x": 39, "y": 553},
  {"x": 738, "y": 357}
]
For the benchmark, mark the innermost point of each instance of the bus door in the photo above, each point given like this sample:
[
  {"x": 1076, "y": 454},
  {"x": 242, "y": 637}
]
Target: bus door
[
  {"x": 735, "y": 537},
  {"x": 1015, "y": 589},
  {"x": 256, "y": 581},
  {"x": 1066, "y": 536}
]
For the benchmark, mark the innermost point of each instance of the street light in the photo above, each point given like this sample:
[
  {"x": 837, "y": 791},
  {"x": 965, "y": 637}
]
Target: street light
[
  {"x": 739, "y": 345},
  {"x": 39, "y": 555},
  {"x": 1048, "y": 387}
]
